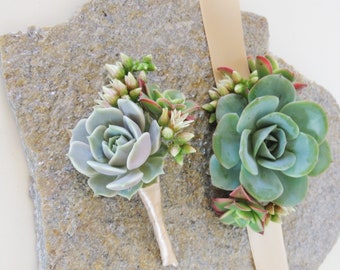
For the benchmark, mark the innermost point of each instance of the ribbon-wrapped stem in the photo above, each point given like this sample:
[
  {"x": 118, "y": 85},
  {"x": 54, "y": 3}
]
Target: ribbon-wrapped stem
[{"x": 151, "y": 198}]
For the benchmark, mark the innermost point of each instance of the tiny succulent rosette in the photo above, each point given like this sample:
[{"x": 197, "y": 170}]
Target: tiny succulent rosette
[
  {"x": 122, "y": 145},
  {"x": 266, "y": 144}
]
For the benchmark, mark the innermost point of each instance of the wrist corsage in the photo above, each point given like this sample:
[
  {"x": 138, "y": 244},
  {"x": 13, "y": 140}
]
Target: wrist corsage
[
  {"x": 122, "y": 145},
  {"x": 266, "y": 144}
]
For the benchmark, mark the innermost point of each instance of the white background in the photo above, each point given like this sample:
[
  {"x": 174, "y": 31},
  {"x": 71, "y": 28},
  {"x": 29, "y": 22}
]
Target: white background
[{"x": 305, "y": 33}]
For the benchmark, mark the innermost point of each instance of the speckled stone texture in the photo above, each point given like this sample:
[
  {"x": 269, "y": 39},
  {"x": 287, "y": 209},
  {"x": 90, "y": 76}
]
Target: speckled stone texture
[{"x": 52, "y": 77}]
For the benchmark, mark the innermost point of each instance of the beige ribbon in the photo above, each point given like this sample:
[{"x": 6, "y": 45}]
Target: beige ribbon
[
  {"x": 223, "y": 29},
  {"x": 224, "y": 33},
  {"x": 151, "y": 198}
]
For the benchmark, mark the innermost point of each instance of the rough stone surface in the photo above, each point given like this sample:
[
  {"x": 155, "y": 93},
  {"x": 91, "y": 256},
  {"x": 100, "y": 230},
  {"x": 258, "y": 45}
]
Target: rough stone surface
[{"x": 52, "y": 76}]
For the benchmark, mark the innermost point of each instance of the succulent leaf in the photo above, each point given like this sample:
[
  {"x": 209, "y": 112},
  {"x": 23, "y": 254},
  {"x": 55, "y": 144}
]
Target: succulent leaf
[
  {"x": 113, "y": 130},
  {"x": 153, "y": 91},
  {"x": 229, "y": 71},
  {"x": 119, "y": 158},
  {"x": 140, "y": 152},
  {"x": 264, "y": 187},
  {"x": 324, "y": 159},
  {"x": 126, "y": 181},
  {"x": 105, "y": 169},
  {"x": 282, "y": 121},
  {"x": 104, "y": 116},
  {"x": 187, "y": 149},
  {"x": 246, "y": 153},
  {"x": 127, "y": 61},
  {"x": 228, "y": 218},
  {"x": 299, "y": 86},
  {"x": 310, "y": 118},
  {"x": 279, "y": 144},
  {"x": 231, "y": 103},
  {"x": 132, "y": 111},
  {"x": 226, "y": 179},
  {"x": 285, "y": 73},
  {"x": 115, "y": 71},
  {"x": 152, "y": 106},
  {"x": 306, "y": 150},
  {"x": 155, "y": 136},
  {"x": 259, "y": 136},
  {"x": 179, "y": 159},
  {"x": 152, "y": 169},
  {"x": 130, "y": 81},
  {"x": 98, "y": 183},
  {"x": 190, "y": 106},
  {"x": 264, "y": 152},
  {"x": 174, "y": 96},
  {"x": 251, "y": 63},
  {"x": 286, "y": 161},
  {"x": 240, "y": 193},
  {"x": 79, "y": 154},
  {"x": 95, "y": 142},
  {"x": 221, "y": 204},
  {"x": 294, "y": 190},
  {"x": 255, "y": 110},
  {"x": 129, "y": 192},
  {"x": 184, "y": 137},
  {"x": 79, "y": 132},
  {"x": 226, "y": 141},
  {"x": 274, "y": 85},
  {"x": 243, "y": 207},
  {"x": 107, "y": 150},
  {"x": 263, "y": 66},
  {"x": 274, "y": 64},
  {"x": 257, "y": 225},
  {"x": 132, "y": 127}
]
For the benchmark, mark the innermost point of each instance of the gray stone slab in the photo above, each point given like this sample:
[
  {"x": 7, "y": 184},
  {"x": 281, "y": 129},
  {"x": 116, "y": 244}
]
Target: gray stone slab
[{"x": 52, "y": 76}]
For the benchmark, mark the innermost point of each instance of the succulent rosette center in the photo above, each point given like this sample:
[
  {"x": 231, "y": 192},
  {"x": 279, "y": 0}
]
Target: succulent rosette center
[
  {"x": 269, "y": 142},
  {"x": 117, "y": 148}
]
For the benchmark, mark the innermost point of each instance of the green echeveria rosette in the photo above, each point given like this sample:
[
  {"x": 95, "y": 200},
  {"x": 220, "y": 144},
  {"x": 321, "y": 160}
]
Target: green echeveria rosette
[
  {"x": 118, "y": 149},
  {"x": 269, "y": 142}
]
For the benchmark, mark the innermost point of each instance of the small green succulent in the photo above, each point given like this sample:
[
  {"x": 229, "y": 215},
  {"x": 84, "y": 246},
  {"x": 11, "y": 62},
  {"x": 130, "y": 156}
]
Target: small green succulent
[
  {"x": 127, "y": 80},
  {"x": 172, "y": 110},
  {"x": 241, "y": 210},
  {"x": 118, "y": 149},
  {"x": 269, "y": 143}
]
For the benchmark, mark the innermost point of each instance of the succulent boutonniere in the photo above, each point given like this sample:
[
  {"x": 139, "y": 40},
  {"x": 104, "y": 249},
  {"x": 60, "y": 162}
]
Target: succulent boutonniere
[
  {"x": 122, "y": 145},
  {"x": 266, "y": 143}
]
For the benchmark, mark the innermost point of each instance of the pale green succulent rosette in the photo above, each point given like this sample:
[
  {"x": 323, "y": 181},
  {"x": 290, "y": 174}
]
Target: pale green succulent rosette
[
  {"x": 269, "y": 143},
  {"x": 118, "y": 149}
]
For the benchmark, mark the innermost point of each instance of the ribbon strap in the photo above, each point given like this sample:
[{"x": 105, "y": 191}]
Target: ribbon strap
[
  {"x": 224, "y": 33},
  {"x": 268, "y": 249}
]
